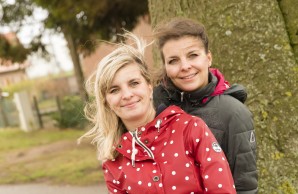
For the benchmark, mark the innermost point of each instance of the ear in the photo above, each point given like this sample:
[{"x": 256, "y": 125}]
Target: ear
[{"x": 209, "y": 56}]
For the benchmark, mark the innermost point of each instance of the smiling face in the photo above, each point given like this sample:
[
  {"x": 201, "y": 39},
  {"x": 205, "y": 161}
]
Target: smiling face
[
  {"x": 130, "y": 97},
  {"x": 187, "y": 63}
]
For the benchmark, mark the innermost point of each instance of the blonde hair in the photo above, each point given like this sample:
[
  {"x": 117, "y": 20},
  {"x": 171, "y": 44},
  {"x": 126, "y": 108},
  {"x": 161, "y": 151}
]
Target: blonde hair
[{"x": 107, "y": 126}]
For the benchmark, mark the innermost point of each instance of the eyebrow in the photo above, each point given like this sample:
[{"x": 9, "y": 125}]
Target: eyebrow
[
  {"x": 188, "y": 52},
  {"x": 192, "y": 51},
  {"x": 131, "y": 80}
]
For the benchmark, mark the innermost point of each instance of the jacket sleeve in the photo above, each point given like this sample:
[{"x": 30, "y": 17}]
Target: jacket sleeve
[
  {"x": 214, "y": 168},
  {"x": 241, "y": 150},
  {"x": 111, "y": 183}
]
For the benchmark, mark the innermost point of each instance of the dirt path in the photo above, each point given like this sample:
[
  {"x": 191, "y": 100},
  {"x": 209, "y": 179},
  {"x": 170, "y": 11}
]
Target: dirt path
[
  {"x": 35, "y": 152},
  {"x": 51, "y": 189},
  {"x": 29, "y": 155}
]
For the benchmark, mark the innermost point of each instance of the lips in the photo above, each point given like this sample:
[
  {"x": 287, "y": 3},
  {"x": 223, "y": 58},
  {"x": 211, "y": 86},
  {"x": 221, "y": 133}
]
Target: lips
[
  {"x": 189, "y": 76},
  {"x": 130, "y": 104}
]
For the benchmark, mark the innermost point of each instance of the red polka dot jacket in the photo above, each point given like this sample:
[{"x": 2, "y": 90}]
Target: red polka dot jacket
[{"x": 175, "y": 153}]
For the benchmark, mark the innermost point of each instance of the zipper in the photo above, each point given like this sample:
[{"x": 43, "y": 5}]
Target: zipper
[
  {"x": 134, "y": 134},
  {"x": 181, "y": 96}
]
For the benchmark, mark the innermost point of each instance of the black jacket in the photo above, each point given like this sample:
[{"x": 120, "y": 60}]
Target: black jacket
[{"x": 228, "y": 118}]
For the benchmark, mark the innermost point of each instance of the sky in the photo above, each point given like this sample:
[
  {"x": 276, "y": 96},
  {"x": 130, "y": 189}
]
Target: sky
[
  {"x": 56, "y": 45},
  {"x": 60, "y": 58}
]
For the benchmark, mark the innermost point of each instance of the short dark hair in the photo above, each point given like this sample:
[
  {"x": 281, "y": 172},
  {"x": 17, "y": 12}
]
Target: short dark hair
[{"x": 177, "y": 28}]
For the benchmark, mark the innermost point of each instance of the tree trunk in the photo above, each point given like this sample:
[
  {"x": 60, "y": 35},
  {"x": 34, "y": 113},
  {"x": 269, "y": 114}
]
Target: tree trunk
[
  {"x": 251, "y": 46},
  {"x": 77, "y": 66},
  {"x": 290, "y": 14}
]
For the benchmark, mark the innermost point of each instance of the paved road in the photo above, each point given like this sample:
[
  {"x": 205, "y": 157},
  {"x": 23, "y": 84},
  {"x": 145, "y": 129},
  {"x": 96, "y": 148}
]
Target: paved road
[{"x": 51, "y": 189}]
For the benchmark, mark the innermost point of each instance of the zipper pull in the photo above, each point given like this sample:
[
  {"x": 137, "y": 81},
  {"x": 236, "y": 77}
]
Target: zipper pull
[{"x": 181, "y": 93}]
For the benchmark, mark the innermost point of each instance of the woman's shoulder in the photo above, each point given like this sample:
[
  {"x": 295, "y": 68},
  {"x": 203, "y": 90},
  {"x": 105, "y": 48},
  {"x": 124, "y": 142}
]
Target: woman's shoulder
[
  {"x": 225, "y": 103},
  {"x": 113, "y": 163},
  {"x": 230, "y": 104}
]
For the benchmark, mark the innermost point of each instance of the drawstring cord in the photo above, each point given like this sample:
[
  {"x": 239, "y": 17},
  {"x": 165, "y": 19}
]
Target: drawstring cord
[
  {"x": 135, "y": 140},
  {"x": 157, "y": 125},
  {"x": 134, "y": 150}
]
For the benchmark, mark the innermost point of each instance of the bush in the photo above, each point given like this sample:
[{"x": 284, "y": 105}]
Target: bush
[{"x": 72, "y": 114}]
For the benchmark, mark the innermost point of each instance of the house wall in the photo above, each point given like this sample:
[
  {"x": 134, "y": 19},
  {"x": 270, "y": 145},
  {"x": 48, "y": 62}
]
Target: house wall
[
  {"x": 143, "y": 29},
  {"x": 12, "y": 77}
]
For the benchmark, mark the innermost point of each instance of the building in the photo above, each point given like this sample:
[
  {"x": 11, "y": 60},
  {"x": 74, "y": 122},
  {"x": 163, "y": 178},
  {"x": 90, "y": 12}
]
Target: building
[{"x": 11, "y": 73}]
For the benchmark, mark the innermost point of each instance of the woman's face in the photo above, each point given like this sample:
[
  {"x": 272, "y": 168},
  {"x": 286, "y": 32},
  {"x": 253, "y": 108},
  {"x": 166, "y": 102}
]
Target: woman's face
[
  {"x": 187, "y": 63},
  {"x": 129, "y": 95}
]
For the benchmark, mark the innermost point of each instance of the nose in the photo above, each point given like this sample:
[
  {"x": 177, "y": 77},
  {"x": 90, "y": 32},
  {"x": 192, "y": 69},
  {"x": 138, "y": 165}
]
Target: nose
[
  {"x": 127, "y": 93},
  {"x": 185, "y": 65}
]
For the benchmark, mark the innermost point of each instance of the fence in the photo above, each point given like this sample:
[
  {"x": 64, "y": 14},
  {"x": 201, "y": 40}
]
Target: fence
[
  {"x": 44, "y": 114},
  {"x": 8, "y": 113},
  {"x": 61, "y": 112}
]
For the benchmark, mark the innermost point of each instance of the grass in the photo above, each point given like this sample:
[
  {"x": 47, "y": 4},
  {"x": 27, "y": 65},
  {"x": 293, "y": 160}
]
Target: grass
[
  {"x": 13, "y": 139},
  {"x": 49, "y": 103},
  {"x": 50, "y": 156}
]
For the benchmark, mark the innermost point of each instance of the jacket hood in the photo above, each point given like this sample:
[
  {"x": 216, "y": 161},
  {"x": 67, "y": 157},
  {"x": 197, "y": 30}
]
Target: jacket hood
[
  {"x": 237, "y": 91},
  {"x": 132, "y": 144},
  {"x": 221, "y": 85}
]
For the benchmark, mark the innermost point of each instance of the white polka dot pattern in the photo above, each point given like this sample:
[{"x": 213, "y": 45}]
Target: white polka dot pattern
[{"x": 180, "y": 148}]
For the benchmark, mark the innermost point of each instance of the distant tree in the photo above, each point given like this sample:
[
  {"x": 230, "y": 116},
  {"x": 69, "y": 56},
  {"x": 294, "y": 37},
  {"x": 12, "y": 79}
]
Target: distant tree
[
  {"x": 13, "y": 52},
  {"x": 13, "y": 15},
  {"x": 82, "y": 22}
]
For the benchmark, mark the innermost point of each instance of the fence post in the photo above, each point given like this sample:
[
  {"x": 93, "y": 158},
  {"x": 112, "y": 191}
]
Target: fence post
[
  {"x": 39, "y": 118},
  {"x": 59, "y": 106},
  {"x": 2, "y": 112},
  {"x": 27, "y": 120}
]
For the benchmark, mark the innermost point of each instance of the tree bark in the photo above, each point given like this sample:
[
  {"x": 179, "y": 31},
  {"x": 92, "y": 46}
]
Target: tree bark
[
  {"x": 250, "y": 45},
  {"x": 290, "y": 14},
  {"x": 77, "y": 66}
]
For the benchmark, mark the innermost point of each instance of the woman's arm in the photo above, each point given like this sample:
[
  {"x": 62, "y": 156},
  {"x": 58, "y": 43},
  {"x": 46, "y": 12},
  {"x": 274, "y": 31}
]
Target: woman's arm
[{"x": 214, "y": 168}]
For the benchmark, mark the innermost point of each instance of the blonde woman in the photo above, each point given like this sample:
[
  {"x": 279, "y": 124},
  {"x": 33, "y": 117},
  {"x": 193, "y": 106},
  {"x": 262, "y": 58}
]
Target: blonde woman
[{"x": 146, "y": 150}]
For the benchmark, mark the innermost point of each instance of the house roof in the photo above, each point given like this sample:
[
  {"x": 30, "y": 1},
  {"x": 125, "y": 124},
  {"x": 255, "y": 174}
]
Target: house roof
[{"x": 12, "y": 68}]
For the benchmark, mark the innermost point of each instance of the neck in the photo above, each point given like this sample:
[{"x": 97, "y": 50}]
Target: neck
[{"x": 150, "y": 115}]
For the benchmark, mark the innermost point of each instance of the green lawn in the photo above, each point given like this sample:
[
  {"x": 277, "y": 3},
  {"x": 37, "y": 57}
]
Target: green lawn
[{"x": 50, "y": 156}]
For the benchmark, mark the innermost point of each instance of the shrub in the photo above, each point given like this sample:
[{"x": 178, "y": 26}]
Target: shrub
[{"x": 72, "y": 114}]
